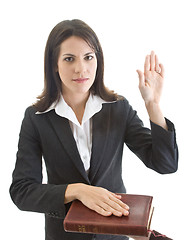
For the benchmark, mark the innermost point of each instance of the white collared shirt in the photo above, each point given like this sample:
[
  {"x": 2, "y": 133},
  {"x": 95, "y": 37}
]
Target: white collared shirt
[{"x": 82, "y": 132}]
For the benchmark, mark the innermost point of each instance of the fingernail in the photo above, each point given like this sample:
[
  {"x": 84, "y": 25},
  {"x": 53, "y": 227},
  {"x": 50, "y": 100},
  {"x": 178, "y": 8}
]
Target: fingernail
[
  {"x": 126, "y": 213},
  {"x": 120, "y": 214},
  {"x": 127, "y": 207}
]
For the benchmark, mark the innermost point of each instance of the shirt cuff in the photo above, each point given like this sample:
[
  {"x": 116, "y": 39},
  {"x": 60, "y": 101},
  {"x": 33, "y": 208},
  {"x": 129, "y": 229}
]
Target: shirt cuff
[
  {"x": 170, "y": 125},
  {"x": 160, "y": 133}
]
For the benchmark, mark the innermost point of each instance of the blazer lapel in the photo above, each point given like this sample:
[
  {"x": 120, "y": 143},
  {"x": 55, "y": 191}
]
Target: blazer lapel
[
  {"x": 62, "y": 128},
  {"x": 101, "y": 123}
]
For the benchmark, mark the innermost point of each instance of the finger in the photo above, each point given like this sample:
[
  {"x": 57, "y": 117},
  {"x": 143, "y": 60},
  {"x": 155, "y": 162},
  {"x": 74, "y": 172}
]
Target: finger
[
  {"x": 152, "y": 61},
  {"x": 157, "y": 67},
  {"x": 116, "y": 195},
  {"x": 119, "y": 203},
  {"x": 162, "y": 73},
  {"x": 147, "y": 64},
  {"x": 102, "y": 211},
  {"x": 105, "y": 209},
  {"x": 116, "y": 209}
]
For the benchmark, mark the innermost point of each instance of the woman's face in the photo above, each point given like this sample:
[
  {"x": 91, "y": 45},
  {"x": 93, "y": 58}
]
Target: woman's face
[{"x": 77, "y": 65}]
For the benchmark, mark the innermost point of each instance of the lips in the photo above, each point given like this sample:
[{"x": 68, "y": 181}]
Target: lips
[{"x": 80, "y": 80}]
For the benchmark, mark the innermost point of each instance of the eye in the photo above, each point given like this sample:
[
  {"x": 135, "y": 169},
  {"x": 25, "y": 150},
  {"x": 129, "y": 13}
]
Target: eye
[
  {"x": 89, "y": 57},
  {"x": 69, "y": 59}
]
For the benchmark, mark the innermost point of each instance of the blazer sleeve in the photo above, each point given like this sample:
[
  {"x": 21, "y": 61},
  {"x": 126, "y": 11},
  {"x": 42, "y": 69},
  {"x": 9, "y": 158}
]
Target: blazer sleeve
[
  {"x": 27, "y": 190},
  {"x": 157, "y": 148}
]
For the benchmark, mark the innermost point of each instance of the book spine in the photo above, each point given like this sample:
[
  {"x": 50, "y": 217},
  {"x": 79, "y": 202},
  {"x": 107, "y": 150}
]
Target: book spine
[{"x": 105, "y": 229}]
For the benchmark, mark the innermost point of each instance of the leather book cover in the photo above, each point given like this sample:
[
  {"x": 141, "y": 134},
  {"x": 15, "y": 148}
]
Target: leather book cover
[{"x": 82, "y": 219}]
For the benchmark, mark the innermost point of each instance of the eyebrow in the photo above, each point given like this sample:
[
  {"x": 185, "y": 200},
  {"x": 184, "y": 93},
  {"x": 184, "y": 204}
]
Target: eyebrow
[{"x": 71, "y": 55}]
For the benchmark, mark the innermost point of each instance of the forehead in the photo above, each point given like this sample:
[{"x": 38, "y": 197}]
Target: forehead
[{"x": 75, "y": 45}]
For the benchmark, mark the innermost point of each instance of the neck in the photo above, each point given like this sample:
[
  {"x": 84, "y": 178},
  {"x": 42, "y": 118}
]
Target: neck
[{"x": 77, "y": 102}]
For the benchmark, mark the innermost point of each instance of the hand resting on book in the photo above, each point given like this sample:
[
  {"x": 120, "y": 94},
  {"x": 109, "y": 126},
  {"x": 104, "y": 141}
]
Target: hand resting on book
[{"x": 98, "y": 199}]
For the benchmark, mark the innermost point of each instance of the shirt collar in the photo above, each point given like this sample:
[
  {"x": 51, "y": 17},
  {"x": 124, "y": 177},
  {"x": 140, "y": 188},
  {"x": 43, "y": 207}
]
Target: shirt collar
[{"x": 93, "y": 105}]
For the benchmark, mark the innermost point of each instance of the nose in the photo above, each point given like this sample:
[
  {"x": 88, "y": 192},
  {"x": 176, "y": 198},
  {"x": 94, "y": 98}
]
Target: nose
[{"x": 80, "y": 67}]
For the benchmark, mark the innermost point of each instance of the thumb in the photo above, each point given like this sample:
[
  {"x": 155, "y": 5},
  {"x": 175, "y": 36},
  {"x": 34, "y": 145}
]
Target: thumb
[{"x": 141, "y": 77}]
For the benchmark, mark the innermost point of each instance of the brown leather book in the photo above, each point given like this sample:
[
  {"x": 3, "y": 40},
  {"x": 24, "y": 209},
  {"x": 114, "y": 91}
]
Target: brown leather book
[{"x": 81, "y": 219}]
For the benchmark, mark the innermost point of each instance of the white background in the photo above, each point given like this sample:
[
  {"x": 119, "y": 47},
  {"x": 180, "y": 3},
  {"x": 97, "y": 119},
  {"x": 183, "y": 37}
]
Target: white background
[{"x": 128, "y": 31}]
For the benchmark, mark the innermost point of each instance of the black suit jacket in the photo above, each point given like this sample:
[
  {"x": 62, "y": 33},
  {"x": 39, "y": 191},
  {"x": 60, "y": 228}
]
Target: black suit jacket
[{"x": 49, "y": 136}]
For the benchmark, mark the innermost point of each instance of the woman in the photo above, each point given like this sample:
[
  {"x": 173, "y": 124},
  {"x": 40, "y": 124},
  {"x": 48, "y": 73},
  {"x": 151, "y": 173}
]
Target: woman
[{"x": 79, "y": 127}]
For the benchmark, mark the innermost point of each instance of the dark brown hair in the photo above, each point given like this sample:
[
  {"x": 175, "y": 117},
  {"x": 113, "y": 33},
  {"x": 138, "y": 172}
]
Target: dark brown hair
[{"x": 52, "y": 82}]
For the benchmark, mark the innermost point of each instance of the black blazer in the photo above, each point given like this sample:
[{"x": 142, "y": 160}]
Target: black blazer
[{"x": 49, "y": 136}]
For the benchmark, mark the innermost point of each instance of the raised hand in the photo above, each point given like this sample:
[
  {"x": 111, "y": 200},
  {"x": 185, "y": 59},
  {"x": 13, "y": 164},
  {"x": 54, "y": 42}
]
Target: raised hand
[
  {"x": 151, "y": 85},
  {"x": 151, "y": 81}
]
